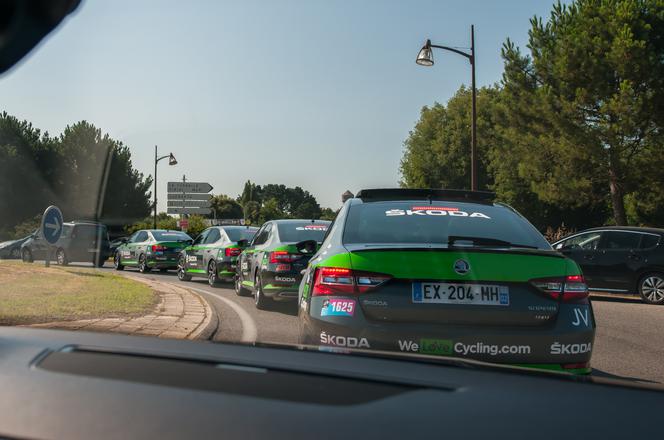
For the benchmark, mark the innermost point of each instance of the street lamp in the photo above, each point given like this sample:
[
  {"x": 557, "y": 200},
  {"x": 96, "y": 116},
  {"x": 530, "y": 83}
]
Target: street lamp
[
  {"x": 425, "y": 58},
  {"x": 171, "y": 161}
]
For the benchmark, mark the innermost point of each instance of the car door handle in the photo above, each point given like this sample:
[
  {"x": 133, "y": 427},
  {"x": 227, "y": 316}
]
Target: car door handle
[
  {"x": 634, "y": 257},
  {"x": 589, "y": 257}
]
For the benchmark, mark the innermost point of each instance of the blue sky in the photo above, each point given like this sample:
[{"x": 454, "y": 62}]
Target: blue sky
[{"x": 319, "y": 94}]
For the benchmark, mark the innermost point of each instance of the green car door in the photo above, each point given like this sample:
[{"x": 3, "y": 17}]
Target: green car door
[
  {"x": 129, "y": 252},
  {"x": 193, "y": 256}
]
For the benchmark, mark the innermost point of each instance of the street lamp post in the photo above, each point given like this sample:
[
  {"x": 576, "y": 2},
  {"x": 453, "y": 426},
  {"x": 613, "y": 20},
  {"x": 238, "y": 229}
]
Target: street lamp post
[
  {"x": 425, "y": 58},
  {"x": 171, "y": 161}
]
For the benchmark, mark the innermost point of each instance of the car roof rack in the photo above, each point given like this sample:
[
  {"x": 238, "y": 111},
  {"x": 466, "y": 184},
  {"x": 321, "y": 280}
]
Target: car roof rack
[{"x": 386, "y": 194}]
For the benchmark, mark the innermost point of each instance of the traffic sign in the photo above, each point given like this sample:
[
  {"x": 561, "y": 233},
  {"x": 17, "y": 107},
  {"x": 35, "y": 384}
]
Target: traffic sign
[
  {"x": 203, "y": 211},
  {"x": 189, "y": 187},
  {"x": 189, "y": 203},
  {"x": 185, "y": 196},
  {"x": 225, "y": 221},
  {"x": 183, "y": 224},
  {"x": 51, "y": 224}
]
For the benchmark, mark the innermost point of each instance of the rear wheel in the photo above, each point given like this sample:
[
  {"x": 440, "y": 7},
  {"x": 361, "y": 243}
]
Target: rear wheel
[
  {"x": 213, "y": 279},
  {"x": 651, "y": 288},
  {"x": 182, "y": 272},
  {"x": 117, "y": 262},
  {"x": 239, "y": 290},
  {"x": 262, "y": 302},
  {"x": 26, "y": 256},
  {"x": 61, "y": 257},
  {"x": 143, "y": 264}
]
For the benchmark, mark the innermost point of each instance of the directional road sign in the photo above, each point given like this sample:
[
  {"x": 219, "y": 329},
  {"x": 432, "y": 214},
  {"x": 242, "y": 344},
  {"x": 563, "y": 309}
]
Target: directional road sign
[
  {"x": 189, "y": 203},
  {"x": 189, "y": 187},
  {"x": 51, "y": 224},
  {"x": 203, "y": 211},
  {"x": 185, "y": 196}
]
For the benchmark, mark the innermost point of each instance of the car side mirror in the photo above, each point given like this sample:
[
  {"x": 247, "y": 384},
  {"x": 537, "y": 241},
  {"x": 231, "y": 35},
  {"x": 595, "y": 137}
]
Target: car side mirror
[
  {"x": 124, "y": 240},
  {"x": 243, "y": 243},
  {"x": 307, "y": 247}
]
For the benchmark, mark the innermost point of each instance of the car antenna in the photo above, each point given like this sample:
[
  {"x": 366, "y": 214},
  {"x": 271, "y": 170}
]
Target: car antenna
[{"x": 430, "y": 198}]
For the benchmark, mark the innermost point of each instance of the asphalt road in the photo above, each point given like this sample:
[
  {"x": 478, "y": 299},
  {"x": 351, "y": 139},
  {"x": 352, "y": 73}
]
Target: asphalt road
[{"x": 629, "y": 343}]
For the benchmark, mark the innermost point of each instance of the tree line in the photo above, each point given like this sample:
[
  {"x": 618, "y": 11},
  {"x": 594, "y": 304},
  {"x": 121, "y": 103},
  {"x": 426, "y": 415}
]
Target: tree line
[
  {"x": 90, "y": 176},
  {"x": 573, "y": 133}
]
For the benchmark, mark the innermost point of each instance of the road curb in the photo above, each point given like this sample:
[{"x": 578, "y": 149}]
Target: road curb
[{"x": 209, "y": 326}]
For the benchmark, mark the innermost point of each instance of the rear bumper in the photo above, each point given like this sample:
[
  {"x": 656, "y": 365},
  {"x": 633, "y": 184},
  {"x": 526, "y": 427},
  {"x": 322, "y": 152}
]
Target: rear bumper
[
  {"x": 162, "y": 262},
  {"x": 281, "y": 286},
  {"x": 549, "y": 346}
]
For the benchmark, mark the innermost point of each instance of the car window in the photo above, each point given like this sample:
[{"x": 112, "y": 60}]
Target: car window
[
  {"x": 619, "y": 240},
  {"x": 141, "y": 237},
  {"x": 262, "y": 235},
  {"x": 293, "y": 232},
  {"x": 213, "y": 236},
  {"x": 648, "y": 241},
  {"x": 587, "y": 241},
  {"x": 170, "y": 236},
  {"x": 421, "y": 222},
  {"x": 66, "y": 231},
  {"x": 201, "y": 238},
  {"x": 237, "y": 234}
]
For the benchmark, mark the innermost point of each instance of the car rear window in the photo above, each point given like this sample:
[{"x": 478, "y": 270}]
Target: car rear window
[
  {"x": 423, "y": 223},
  {"x": 170, "y": 236},
  {"x": 241, "y": 234},
  {"x": 296, "y": 231}
]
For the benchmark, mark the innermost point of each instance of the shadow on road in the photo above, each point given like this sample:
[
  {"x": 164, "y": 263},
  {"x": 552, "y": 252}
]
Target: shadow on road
[
  {"x": 615, "y": 298},
  {"x": 600, "y": 373}
]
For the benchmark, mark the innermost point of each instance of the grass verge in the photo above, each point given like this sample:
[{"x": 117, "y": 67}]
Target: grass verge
[{"x": 32, "y": 293}]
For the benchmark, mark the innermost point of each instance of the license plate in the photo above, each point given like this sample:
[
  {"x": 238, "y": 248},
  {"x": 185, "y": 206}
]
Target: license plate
[{"x": 470, "y": 294}]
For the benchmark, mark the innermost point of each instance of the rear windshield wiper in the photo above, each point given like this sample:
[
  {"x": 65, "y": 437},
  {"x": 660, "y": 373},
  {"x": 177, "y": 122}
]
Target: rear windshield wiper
[{"x": 483, "y": 241}]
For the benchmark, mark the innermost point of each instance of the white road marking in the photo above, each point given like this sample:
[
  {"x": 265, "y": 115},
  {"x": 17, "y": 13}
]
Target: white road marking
[{"x": 249, "y": 330}]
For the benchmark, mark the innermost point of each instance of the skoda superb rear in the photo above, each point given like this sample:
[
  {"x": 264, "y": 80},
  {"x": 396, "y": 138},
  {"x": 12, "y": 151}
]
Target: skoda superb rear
[{"x": 449, "y": 273}]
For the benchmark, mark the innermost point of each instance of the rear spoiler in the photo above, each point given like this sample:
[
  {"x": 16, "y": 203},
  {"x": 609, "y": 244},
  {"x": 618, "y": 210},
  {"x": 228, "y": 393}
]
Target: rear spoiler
[{"x": 377, "y": 195}]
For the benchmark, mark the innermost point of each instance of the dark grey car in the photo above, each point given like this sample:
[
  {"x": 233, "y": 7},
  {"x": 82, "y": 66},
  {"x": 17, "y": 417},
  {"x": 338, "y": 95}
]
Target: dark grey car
[{"x": 80, "y": 241}]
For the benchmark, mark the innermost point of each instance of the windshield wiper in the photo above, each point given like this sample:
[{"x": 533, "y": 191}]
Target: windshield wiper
[{"x": 484, "y": 241}]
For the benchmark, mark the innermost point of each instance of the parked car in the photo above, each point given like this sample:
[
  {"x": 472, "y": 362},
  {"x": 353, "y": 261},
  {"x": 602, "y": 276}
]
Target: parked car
[
  {"x": 619, "y": 260},
  {"x": 81, "y": 241},
  {"x": 214, "y": 253},
  {"x": 12, "y": 248}
]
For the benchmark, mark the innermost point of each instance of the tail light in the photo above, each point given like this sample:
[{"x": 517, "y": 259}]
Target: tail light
[
  {"x": 158, "y": 248},
  {"x": 578, "y": 365},
  {"x": 569, "y": 288},
  {"x": 340, "y": 280},
  {"x": 283, "y": 257},
  {"x": 233, "y": 251}
]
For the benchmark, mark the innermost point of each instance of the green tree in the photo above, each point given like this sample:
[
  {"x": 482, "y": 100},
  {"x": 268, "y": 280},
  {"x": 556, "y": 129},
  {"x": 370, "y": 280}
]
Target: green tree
[
  {"x": 588, "y": 101},
  {"x": 252, "y": 212},
  {"x": 328, "y": 214},
  {"x": 270, "y": 211},
  {"x": 226, "y": 207}
]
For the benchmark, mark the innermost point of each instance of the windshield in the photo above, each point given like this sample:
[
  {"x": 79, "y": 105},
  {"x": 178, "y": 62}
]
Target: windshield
[
  {"x": 423, "y": 223},
  {"x": 299, "y": 231},
  {"x": 399, "y": 171},
  {"x": 241, "y": 234},
  {"x": 170, "y": 236}
]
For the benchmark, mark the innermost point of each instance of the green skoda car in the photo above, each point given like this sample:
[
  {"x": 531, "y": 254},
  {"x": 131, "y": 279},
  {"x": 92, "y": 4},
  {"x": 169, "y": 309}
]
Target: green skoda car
[
  {"x": 448, "y": 273},
  {"x": 214, "y": 253},
  {"x": 149, "y": 249}
]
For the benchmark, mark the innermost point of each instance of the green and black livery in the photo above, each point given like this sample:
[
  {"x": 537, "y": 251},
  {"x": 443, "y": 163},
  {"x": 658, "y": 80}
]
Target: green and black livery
[
  {"x": 214, "y": 253},
  {"x": 445, "y": 272},
  {"x": 270, "y": 267},
  {"x": 149, "y": 249}
]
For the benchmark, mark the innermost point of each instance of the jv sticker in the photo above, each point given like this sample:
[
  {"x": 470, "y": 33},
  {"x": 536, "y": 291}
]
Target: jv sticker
[{"x": 338, "y": 307}]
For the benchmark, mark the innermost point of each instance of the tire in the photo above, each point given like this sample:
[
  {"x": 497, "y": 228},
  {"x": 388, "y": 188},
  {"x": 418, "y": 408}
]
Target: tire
[
  {"x": 239, "y": 290},
  {"x": 15, "y": 253},
  {"x": 143, "y": 264},
  {"x": 26, "y": 256},
  {"x": 98, "y": 261},
  {"x": 213, "y": 277},
  {"x": 651, "y": 288},
  {"x": 117, "y": 262},
  {"x": 182, "y": 274},
  {"x": 262, "y": 302},
  {"x": 61, "y": 257}
]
